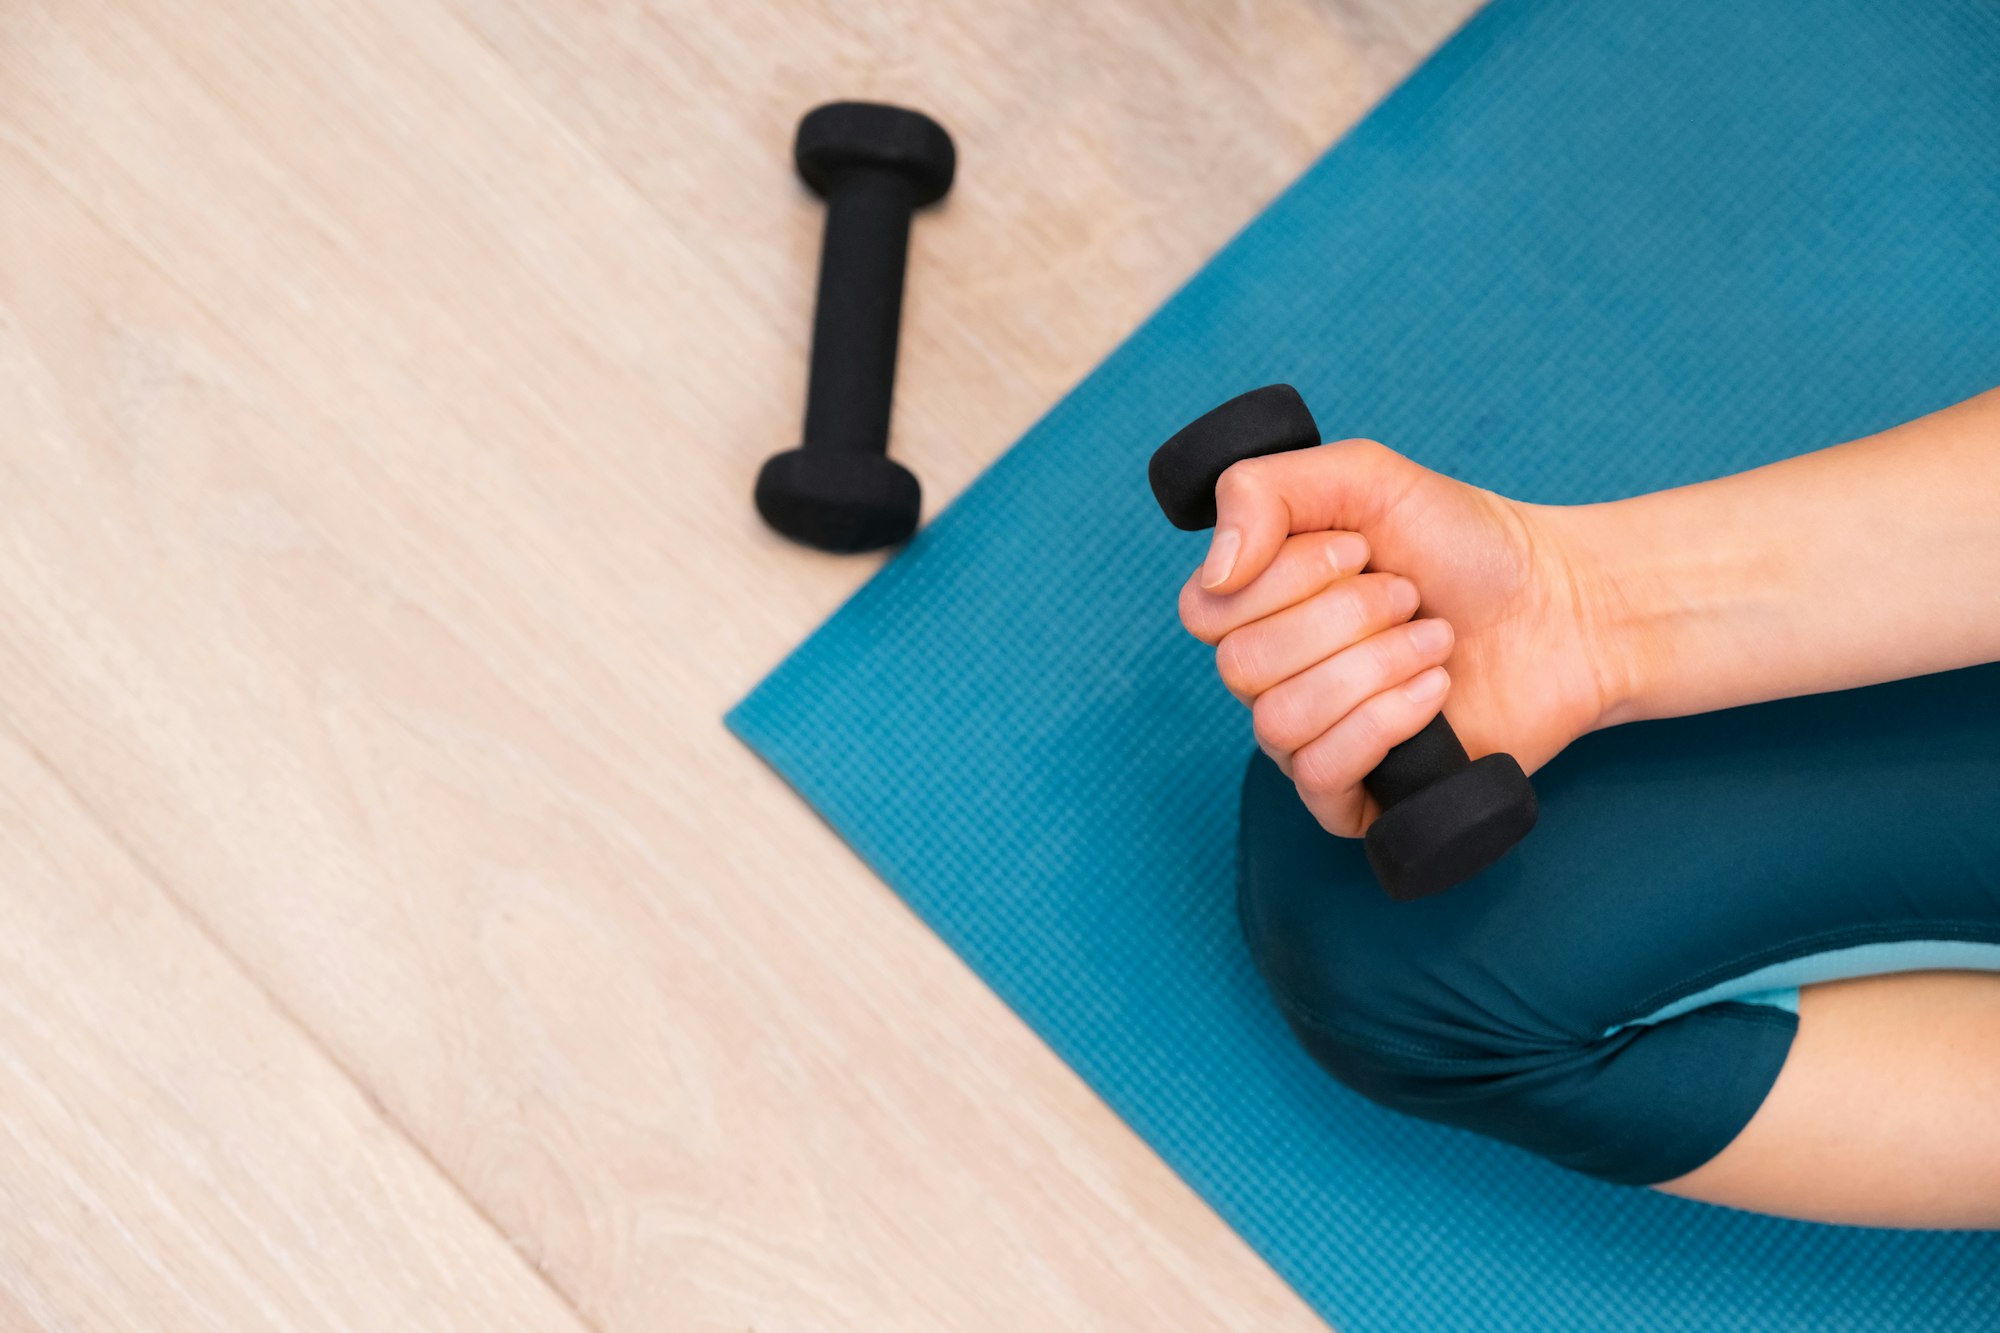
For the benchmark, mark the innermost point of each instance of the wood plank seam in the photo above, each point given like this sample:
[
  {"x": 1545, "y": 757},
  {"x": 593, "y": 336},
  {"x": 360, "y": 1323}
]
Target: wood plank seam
[{"x": 307, "y": 1036}]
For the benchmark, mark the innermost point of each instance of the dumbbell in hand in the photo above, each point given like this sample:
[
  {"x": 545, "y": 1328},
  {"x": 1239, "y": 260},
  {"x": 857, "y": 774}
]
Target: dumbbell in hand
[
  {"x": 874, "y": 165},
  {"x": 1445, "y": 817}
]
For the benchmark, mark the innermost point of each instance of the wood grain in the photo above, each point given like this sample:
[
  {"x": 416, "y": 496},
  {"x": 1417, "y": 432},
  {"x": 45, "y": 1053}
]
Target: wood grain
[
  {"x": 386, "y": 383},
  {"x": 174, "y": 1152}
]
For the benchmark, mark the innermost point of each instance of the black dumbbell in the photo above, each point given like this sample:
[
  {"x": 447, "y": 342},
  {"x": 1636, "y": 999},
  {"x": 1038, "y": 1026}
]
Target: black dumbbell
[
  {"x": 874, "y": 165},
  {"x": 1445, "y": 817}
]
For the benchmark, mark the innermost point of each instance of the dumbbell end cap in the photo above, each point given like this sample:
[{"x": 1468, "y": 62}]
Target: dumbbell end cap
[
  {"x": 839, "y": 501},
  {"x": 1184, "y": 470},
  {"x": 1452, "y": 829},
  {"x": 843, "y": 135}
]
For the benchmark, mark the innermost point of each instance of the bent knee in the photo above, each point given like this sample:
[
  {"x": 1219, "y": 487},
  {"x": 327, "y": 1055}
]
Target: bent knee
[
  {"x": 1419, "y": 980},
  {"x": 1448, "y": 1010}
]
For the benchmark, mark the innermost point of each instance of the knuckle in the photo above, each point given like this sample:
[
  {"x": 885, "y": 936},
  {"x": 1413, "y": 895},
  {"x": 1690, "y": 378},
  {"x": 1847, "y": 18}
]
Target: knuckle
[
  {"x": 1347, "y": 611},
  {"x": 1368, "y": 729},
  {"x": 1194, "y": 612},
  {"x": 1237, "y": 481},
  {"x": 1236, "y": 663},
  {"x": 1277, "y": 719},
  {"x": 1367, "y": 450},
  {"x": 1385, "y": 659},
  {"x": 1318, "y": 769}
]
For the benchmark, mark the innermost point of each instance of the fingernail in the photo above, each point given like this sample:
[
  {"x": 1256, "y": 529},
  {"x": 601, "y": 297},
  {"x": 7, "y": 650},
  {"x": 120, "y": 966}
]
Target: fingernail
[
  {"x": 1427, "y": 686},
  {"x": 1407, "y": 597},
  {"x": 1350, "y": 553},
  {"x": 1429, "y": 634},
  {"x": 1221, "y": 556}
]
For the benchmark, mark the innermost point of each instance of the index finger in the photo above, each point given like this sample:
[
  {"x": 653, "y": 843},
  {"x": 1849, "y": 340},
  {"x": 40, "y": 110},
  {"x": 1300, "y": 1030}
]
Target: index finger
[{"x": 1308, "y": 563}]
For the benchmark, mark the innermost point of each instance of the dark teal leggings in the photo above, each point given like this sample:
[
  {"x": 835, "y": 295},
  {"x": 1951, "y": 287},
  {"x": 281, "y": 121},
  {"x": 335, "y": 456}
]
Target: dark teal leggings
[{"x": 1619, "y": 994}]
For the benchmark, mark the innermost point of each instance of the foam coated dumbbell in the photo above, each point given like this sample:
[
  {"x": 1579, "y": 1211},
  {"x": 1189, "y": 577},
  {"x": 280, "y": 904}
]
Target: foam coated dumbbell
[
  {"x": 1445, "y": 817},
  {"x": 874, "y": 165}
]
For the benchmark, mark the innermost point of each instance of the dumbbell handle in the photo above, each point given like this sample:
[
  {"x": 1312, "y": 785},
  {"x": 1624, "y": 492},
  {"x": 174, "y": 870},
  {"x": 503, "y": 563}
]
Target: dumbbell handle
[
  {"x": 858, "y": 313},
  {"x": 1408, "y": 768},
  {"x": 874, "y": 165}
]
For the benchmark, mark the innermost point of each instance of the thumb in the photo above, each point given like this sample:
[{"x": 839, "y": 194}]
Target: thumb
[{"x": 1261, "y": 501}]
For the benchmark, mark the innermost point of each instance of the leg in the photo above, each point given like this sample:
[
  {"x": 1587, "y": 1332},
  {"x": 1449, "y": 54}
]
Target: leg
[
  {"x": 1884, "y": 1114},
  {"x": 1616, "y": 995}
]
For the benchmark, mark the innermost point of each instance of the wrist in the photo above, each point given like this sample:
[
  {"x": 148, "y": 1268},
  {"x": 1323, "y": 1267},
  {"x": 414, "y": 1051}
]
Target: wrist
[
  {"x": 1595, "y": 556},
  {"x": 1666, "y": 601}
]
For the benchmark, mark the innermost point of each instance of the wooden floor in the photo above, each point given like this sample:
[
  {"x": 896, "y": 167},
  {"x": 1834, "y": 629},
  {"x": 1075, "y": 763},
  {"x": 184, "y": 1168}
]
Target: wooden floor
[{"x": 394, "y": 938}]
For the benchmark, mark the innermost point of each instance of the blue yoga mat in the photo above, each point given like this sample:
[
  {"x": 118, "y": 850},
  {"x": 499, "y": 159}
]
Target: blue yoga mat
[{"x": 1589, "y": 249}]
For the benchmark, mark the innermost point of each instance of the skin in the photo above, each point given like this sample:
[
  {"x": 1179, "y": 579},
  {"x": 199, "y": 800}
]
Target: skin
[{"x": 1349, "y": 593}]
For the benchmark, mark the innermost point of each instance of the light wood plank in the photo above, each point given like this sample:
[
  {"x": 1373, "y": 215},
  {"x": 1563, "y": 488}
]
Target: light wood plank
[
  {"x": 174, "y": 1152},
  {"x": 388, "y": 379}
]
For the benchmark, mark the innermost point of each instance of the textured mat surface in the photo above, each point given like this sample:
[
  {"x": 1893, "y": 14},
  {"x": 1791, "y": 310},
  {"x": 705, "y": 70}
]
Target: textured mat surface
[{"x": 1589, "y": 249}]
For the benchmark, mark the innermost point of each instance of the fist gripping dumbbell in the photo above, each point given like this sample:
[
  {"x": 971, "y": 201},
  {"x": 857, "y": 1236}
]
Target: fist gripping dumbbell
[
  {"x": 874, "y": 165},
  {"x": 1445, "y": 817}
]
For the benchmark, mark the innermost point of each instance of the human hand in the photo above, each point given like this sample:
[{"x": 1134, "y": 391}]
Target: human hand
[{"x": 1349, "y": 593}]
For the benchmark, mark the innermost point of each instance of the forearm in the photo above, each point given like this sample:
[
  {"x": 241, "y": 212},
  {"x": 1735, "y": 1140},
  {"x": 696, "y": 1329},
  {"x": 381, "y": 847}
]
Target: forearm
[{"x": 1866, "y": 562}]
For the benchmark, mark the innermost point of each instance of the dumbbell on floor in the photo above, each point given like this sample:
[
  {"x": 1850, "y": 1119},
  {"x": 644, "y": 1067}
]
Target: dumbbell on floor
[
  {"x": 1445, "y": 817},
  {"x": 874, "y": 165}
]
